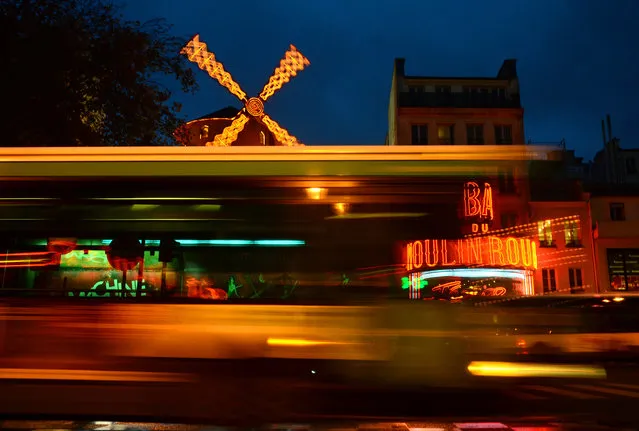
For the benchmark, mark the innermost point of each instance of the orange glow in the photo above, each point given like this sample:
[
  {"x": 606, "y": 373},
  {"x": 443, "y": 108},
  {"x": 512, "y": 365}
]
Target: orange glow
[
  {"x": 450, "y": 288},
  {"x": 29, "y": 259},
  {"x": 292, "y": 63},
  {"x": 490, "y": 251},
  {"x": 315, "y": 193},
  {"x": 230, "y": 132},
  {"x": 293, "y": 342},
  {"x": 340, "y": 208},
  {"x": 476, "y": 203},
  {"x": 279, "y": 132},
  {"x": 196, "y": 52},
  {"x": 255, "y": 107}
]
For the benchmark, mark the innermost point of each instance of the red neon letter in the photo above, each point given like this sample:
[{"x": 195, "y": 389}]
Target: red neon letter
[
  {"x": 445, "y": 261},
  {"x": 487, "y": 202},
  {"x": 512, "y": 251},
  {"x": 431, "y": 252},
  {"x": 472, "y": 206},
  {"x": 496, "y": 248},
  {"x": 418, "y": 254}
]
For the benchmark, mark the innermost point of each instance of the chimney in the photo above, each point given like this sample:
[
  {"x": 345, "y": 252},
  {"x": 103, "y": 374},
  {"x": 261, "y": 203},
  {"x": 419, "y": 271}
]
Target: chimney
[
  {"x": 508, "y": 69},
  {"x": 399, "y": 66}
]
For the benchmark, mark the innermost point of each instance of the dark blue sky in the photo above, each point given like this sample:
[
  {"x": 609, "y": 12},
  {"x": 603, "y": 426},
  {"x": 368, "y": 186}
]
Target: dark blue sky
[{"x": 577, "y": 59}]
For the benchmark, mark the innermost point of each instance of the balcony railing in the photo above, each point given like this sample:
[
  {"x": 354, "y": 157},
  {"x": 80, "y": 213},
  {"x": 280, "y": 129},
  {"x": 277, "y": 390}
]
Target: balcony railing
[{"x": 456, "y": 100}]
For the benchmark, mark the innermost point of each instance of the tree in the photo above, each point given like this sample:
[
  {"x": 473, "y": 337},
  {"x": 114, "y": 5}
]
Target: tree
[{"x": 75, "y": 72}]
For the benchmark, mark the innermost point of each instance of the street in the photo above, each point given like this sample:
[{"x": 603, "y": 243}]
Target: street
[{"x": 228, "y": 398}]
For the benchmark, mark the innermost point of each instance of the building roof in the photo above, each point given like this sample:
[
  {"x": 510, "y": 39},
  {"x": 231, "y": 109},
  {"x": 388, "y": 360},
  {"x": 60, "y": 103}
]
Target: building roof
[
  {"x": 228, "y": 112},
  {"x": 507, "y": 71}
]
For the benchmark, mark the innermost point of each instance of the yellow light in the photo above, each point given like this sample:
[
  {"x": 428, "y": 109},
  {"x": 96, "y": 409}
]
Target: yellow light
[
  {"x": 143, "y": 207},
  {"x": 279, "y": 132},
  {"x": 292, "y": 63},
  {"x": 295, "y": 342},
  {"x": 196, "y": 52},
  {"x": 340, "y": 208},
  {"x": 315, "y": 193},
  {"x": 230, "y": 133},
  {"x": 618, "y": 299},
  {"x": 519, "y": 369}
]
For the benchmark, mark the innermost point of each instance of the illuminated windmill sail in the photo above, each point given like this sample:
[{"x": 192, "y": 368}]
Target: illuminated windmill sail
[{"x": 292, "y": 63}]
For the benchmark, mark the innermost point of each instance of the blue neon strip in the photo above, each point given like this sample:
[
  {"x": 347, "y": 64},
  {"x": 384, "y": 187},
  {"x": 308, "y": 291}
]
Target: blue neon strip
[
  {"x": 228, "y": 242},
  {"x": 474, "y": 273}
]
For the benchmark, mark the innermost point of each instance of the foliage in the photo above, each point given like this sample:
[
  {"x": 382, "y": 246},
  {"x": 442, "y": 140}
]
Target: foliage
[{"x": 77, "y": 73}]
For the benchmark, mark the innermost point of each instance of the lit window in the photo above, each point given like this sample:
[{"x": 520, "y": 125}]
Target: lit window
[
  {"x": 544, "y": 231},
  {"x": 571, "y": 233},
  {"x": 446, "y": 134},
  {"x": 204, "y": 132}
]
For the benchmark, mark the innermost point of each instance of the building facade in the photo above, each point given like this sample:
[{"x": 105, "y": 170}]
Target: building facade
[{"x": 615, "y": 218}]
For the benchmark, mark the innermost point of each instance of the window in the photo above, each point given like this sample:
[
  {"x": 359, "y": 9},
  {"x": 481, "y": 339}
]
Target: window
[
  {"x": 506, "y": 181},
  {"x": 571, "y": 233},
  {"x": 631, "y": 165},
  {"x": 549, "y": 281},
  {"x": 442, "y": 89},
  {"x": 623, "y": 269},
  {"x": 508, "y": 220},
  {"x": 415, "y": 89},
  {"x": 204, "y": 132},
  {"x": 446, "y": 134},
  {"x": 262, "y": 138},
  {"x": 544, "y": 232},
  {"x": 419, "y": 134},
  {"x": 504, "y": 135},
  {"x": 499, "y": 93},
  {"x": 575, "y": 280},
  {"x": 617, "y": 211},
  {"x": 475, "y": 134}
]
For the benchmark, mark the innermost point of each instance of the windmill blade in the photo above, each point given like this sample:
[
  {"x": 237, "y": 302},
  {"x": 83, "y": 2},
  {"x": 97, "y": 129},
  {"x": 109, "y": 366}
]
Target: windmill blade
[
  {"x": 279, "y": 132},
  {"x": 293, "y": 62},
  {"x": 230, "y": 132},
  {"x": 196, "y": 52}
]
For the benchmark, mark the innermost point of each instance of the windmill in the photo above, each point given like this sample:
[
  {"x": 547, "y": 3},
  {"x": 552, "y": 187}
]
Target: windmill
[{"x": 292, "y": 63}]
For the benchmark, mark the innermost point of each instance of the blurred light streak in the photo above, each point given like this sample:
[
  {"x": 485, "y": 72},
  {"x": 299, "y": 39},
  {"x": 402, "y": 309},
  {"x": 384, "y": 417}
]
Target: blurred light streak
[
  {"x": 90, "y": 375},
  {"x": 356, "y": 216},
  {"x": 298, "y": 342},
  {"x": 520, "y": 369}
]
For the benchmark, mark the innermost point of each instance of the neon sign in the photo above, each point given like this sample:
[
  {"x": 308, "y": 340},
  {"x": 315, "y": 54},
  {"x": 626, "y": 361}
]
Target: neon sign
[
  {"x": 489, "y": 250},
  {"x": 478, "y": 205},
  {"x": 103, "y": 289}
]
